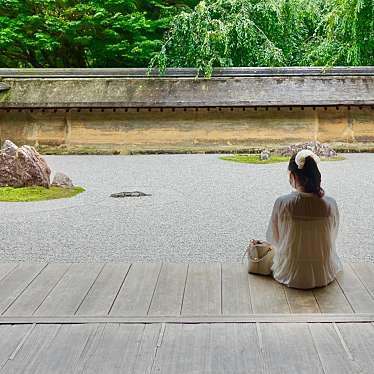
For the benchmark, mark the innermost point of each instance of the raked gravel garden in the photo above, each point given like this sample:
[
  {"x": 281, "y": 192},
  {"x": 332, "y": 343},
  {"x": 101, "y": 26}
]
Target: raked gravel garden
[{"x": 201, "y": 209}]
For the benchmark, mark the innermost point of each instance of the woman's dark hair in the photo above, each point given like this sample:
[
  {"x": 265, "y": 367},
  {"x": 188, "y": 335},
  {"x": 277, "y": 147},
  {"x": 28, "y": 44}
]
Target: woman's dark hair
[{"x": 309, "y": 176}]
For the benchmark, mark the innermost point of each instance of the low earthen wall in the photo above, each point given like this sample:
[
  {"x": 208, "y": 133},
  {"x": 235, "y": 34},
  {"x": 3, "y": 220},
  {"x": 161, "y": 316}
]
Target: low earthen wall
[{"x": 145, "y": 114}]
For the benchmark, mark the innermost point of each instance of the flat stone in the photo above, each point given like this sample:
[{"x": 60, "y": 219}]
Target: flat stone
[{"x": 130, "y": 194}]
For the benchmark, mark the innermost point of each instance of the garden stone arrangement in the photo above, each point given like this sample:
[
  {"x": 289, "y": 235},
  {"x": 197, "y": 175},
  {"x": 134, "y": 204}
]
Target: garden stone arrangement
[
  {"x": 320, "y": 149},
  {"x": 22, "y": 167},
  {"x": 25, "y": 176},
  {"x": 323, "y": 150}
]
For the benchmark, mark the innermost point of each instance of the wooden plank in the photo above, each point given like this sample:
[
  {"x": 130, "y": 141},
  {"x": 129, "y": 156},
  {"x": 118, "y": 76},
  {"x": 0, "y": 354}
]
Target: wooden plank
[
  {"x": 202, "y": 348},
  {"x": 168, "y": 296},
  {"x": 202, "y": 295},
  {"x": 136, "y": 293},
  {"x": 63, "y": 353},
  {"x": 235, "y": 289},
  {"x": 267, "y": 295},
  {"x": 357, "y": 295},
  {"x": 365, "y": 272},
  {"x": 10, "y": 338},
  {"x": 331, "y": 350},
  {"x": 151, "y": 339},
  {"x": 183, "y": 350},
  {"x": 26, "y": 358},
  {"x": 331, "y": 299},
  {"x": 289, "y": 348},
  {"x": 67, "y": 296},
  {"x": 37, "y": 291},
  {"x": 6, "y": 268},
  {"x": 249, "y": 318},
  {"x": 118, "y": 348},
  {"x": 100, "y": 298},
  {"x": 359, "y": 339},
  {"x": 301, "y": 301},
  {"x": 15, "y": 282},
  {"x": 234, "y": 349}
]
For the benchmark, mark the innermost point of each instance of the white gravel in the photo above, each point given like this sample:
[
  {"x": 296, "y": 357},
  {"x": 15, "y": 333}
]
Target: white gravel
[{"x": 202, "y": 209}]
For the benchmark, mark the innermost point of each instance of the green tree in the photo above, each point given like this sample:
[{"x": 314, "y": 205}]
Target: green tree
[
  {"x": 345, "y": 35},
  {"x": 238, "y": 33},
  {"x": 88, "y": 33},
  {"x": 224, "y": 33},
  {"x": 186, "y": 33}
]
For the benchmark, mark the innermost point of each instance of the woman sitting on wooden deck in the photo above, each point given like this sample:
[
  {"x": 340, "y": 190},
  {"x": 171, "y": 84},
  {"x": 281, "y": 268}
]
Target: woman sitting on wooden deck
[{"x": 303, "y": 228}]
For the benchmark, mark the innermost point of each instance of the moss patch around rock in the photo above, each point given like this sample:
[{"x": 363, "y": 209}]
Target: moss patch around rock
[{"x": 24, "y": 194}]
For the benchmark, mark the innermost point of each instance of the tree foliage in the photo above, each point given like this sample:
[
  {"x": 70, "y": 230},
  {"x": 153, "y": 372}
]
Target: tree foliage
[
  {"x": 344, "y": 35},
  {"x": 269, "y": 33},
  {"x": 186, "y": 33},
  {"x": 88, "y": 33}
]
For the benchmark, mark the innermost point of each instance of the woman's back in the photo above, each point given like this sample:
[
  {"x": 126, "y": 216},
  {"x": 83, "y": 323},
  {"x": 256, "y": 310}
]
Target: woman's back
[{"x": 303, "y": 229}]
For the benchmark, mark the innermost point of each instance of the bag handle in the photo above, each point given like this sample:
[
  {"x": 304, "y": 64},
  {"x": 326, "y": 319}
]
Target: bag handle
[
  {"x": 251, "y": 242},
  {"x": 260, "y": 259}
]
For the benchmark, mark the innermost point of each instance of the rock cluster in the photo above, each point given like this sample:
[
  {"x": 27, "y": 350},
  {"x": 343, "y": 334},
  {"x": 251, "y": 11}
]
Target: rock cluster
[
  {"x": 22, "y": 167},
  {"x": 320, "y": 149}
]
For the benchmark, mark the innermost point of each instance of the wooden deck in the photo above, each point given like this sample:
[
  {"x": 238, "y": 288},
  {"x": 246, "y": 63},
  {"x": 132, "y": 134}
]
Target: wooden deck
[{"x": 181, "y": 318}]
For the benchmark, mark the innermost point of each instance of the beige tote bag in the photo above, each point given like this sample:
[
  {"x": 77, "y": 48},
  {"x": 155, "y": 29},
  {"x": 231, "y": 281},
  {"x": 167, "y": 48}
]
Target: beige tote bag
[{"x": 260, "y": 257}]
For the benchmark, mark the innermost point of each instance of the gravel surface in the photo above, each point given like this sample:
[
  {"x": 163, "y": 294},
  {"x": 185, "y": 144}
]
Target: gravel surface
[{"x": 202, "y": 209}]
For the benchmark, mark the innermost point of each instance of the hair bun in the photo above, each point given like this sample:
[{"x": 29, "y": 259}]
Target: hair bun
[{"x": 302, "y": 155}]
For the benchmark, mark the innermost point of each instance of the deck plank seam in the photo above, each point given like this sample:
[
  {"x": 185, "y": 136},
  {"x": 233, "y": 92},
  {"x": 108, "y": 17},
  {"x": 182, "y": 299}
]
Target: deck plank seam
[
  {"x": 250, "y": 292},
  {"x": 89, "y": 289},
  {"x": 316, "y": 349},
  {"x": 86, "y": 346},
  {"x": 184, "y": 290},
  {"x": 100, "y": 332},
  {"x": 221, "y": 288},
  {"x": 342, "y": 341},
  {"x": 316, "y": 300},
  {"x": 362, "y": 282},
  {"x": 45, "y": 346},
  {"x": 261, "y": 349},
  {"x": 345, "y": 295},
  {"x": 23, "y": 290},
  {"x": 22, "y": 342},
  {"x": 287, "y": 300},
  {"x": 11, "y": 270},
  {"x": 154, "y": 288},
  {"x": 52, "y": 288},
  {"x": 140, "y": 348},
  {"x": 119, "y": 289},
  {"x": 82, "y": 349}
]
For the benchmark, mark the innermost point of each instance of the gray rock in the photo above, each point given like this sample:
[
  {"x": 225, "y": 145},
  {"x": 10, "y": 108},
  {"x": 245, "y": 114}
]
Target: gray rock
[
  {"x": 22, "y": 167},
  {"x": 265, "y": 155},
  {"x": 320, "y": 149},
  {"x": 62, "y": 180},
  {"x": 129, "y": 194}
]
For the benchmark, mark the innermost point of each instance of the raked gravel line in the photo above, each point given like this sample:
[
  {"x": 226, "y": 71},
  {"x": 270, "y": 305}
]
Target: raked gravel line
[{"x": 202, "y": 209}]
